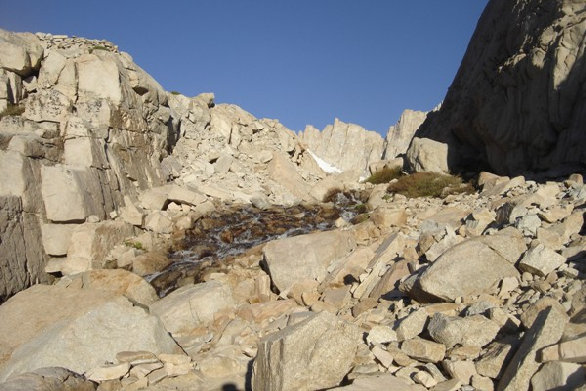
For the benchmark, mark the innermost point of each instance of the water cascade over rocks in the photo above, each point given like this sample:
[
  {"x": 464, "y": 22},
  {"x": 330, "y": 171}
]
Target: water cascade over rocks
[{"x": 223, "y": 236}]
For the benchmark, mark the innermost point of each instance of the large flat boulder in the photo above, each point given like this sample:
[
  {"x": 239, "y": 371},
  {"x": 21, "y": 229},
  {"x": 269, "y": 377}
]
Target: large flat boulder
[
  {"x": 92, "y": 338},
  {"x": 315, "y": 353},
  {"x": 303, "y": 257},
  {"x": 469, "y": 268},
  {"x": 192, "y": 306}
]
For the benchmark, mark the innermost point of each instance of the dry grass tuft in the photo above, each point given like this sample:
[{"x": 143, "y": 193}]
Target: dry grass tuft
[
  {"x": 384, "y": 176},
  {"x": 429, "y": 184}
]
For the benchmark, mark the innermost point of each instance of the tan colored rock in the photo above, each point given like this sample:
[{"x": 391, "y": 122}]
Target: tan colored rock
[
  {"x": 380, "y": 382},
  {"x": 333, "y": 142},
  {"x": 530, "y": 314},
  {"x": 384, "y": 217},
  {"x": 332, "y": 344},
  {"x": 305, "y": 257},
  {"x": 425, "y": 154},
  {"x": 492, "y": 363},
  {"x": 142, "y": 370},
  {"x": 423, "y": 350},
  {"x": 136, "y": 357},
  {"x": 473, "y": 330},
  {"x": 20, "y": 52},
  {"x": 48, "y": 379},
  {"x": 91, "y": 338},
  {"x": 71, "y": 194},
  {"x": 569, "y": 351},
  {"x": 540, "y": 260},
  {"x": 389, "y": 280},
  {"x": 99, "y": 77},
  {"x": 482, "y": 383},
  {"x": 383, "y": 356},
  {"x": 380, "y": 335},
  {"x": 461, "y": 370},
  {"x": 189, "y": 307},
  {"x": 557, "y": 375},
  {"x": 131, "y": 213},
  {"x": 282, "y": 171},
  {"x": 448, "y": 385},
  {"x": 115, "y": 281},
  {"x": 150, "y": 262},
  {"x": 158, "y": 222},
  {"x": 546, "y": 330},
  {"x": 56, "y": 238},
  {"x": 91, "y": 242},
  {"x": 477, "y": 222},
  {"x": 469, "y": 268},
  {"x": 412, "y": 325},
  {"x": 108, "y": 372},
  {"x": 399, "y": 135}
]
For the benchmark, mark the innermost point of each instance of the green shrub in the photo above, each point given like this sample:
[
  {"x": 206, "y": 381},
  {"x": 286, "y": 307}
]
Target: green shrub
[
  {"x": 98, "y": 47},
  {"x": 136, "y": 245},
  {"x": 360, "y": 218},
  {"x": 175, "y": 93},
  {"x": 384, "y": 176},
  {"x": 12, "y": 110},
  {"x": 429, "y": 184},
  {"x": 361, "y": 208}
]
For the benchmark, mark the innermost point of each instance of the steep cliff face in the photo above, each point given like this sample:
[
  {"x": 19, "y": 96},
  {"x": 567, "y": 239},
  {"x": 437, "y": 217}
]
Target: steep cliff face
[
  {"x": 345, "y": 146},
  {"x": 88, "y": 127},
  {"x": 518, "y": 102},
  {"x": 399, "y": 135}
]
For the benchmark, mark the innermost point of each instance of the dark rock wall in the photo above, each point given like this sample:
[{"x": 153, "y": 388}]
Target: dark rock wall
[{"x": 518, "y": 102}]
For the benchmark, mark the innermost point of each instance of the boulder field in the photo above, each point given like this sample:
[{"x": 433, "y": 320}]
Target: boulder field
[
  {"x": 475, "y": 291},
  {"x": 103, "y": 173}
]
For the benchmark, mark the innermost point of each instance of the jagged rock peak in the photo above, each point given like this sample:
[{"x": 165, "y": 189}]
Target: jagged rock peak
[
  {"x": 517, "y": 102},
  {"x": 344, "y": 145}
]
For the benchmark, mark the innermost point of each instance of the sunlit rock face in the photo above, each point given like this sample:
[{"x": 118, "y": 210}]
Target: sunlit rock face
[
  {"x": 517, "y": 103},
  {"x": 345, "y": 146}
]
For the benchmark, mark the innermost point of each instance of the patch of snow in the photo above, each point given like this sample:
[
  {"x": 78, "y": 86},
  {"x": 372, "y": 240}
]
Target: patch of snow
[{"x": 325, "y": 166}]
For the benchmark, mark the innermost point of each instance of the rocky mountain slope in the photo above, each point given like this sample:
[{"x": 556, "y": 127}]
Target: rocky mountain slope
[
  {"x": 90, "y": 132},
  {"x": 482, "y": 291},
  {"x": 102, "y": 172},
  {"x": 517, "y": 103}
]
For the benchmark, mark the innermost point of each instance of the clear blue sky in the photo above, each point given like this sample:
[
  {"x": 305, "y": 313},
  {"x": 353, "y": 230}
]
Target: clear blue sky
[{"x": 303, "y": 61}]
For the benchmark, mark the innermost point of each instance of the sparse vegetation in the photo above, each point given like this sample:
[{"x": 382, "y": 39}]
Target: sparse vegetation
[
  {"x": 429, "y": 184},
  {"x": 384, "y": 176},
  {"x": 360, "y": 218},
  {"x": 331, "y": 194},
  {"x": 98, "y": 47},
  {"x": 12, "y": 109},
  {"x": 134, "y": 244},
  {"x": 175, "y": 93},
  {"x": 360, "y": 208}
]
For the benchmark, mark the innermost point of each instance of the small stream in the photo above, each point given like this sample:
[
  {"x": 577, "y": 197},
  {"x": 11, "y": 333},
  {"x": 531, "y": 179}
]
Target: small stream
[{"x": 228, "y": 234}]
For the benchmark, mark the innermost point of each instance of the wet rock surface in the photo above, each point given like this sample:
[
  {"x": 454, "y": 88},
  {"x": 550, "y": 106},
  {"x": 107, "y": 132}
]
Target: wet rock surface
[{"x": 224, "y": 235}]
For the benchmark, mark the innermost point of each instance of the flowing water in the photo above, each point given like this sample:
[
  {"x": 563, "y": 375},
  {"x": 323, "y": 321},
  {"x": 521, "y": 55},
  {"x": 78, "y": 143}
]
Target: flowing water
[{"x": 224, "y": 235}]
